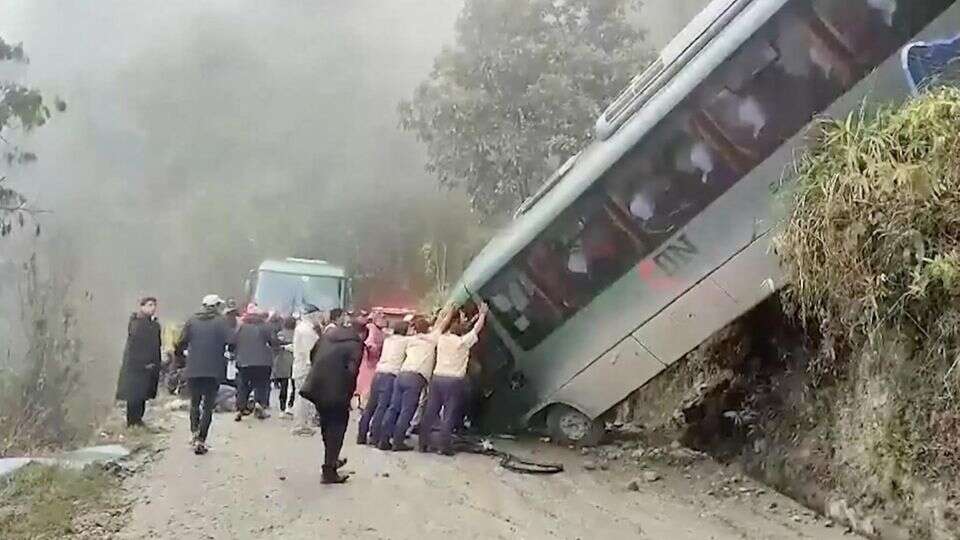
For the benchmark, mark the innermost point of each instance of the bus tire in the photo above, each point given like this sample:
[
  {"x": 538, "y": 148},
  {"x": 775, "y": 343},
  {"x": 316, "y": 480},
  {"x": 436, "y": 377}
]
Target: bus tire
[{"x": 569, "y": 426}]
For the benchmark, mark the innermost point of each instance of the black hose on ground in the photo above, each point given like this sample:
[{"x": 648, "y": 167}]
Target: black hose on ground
[{"x": 508, "y": 461}]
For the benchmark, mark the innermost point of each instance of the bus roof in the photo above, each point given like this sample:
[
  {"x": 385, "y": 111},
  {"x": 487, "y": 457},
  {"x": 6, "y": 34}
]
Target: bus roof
[
  {"x": 674, "y": 57},
  {"x": 600, "y": 155},
  {"x": 303, "y": 267}
]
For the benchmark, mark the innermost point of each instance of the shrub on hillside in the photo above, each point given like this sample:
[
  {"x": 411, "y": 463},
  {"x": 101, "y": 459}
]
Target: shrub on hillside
[{"x": 872, "y": 253}]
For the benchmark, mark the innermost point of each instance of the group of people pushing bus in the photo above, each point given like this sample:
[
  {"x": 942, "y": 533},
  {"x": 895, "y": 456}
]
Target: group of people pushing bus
[
  {"x": 417, "y": 367},
  {"x": 419, "y": 357}
]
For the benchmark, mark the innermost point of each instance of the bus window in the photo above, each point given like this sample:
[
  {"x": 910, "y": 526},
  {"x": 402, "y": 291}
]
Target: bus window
[
  {"x": 598, "y": 248},
  {"x": 521, "y": 307},
  {"x": 818, "y": 67},
  {"x": 740, "y": 118},
  {"x": 776, "y": 83},
  {"x": 796, "y": 66},
  {"x": 651, "y": 204},
  {"x": 862, "y": 27},
  {"x": 546, "y": 267},
  {"x": 698, "y": 158},
  {"x": 739, "y": 106},
  {"x": 585, "y": 251},
  {"x": 607, "y": 248},
  {"x": 666, "y": 181},
  {"x": 872, "y": 30}
]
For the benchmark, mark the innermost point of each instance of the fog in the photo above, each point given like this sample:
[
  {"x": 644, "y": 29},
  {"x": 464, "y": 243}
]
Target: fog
[{"x": 202, "y": 137}]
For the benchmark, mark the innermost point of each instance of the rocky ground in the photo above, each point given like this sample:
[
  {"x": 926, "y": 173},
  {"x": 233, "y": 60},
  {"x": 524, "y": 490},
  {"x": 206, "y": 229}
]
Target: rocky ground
[
  {"x": 110, "y": 516},
  {"x": 259, "y": 481}
]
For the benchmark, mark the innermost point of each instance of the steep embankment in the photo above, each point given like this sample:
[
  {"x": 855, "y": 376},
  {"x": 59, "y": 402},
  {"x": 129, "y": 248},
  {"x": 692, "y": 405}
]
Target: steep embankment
[{"x": 843, "y": 392}]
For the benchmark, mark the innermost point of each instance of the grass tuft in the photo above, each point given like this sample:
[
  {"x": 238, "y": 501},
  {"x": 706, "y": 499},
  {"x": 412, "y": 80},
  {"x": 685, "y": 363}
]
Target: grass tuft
[{"x": 41, "y": 501}]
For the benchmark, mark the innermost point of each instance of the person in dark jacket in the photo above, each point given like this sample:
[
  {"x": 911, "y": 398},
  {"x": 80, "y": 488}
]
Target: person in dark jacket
[
  {"x": 256, "y": 340},
  {"x": 140, "y": 371},
  {"x": 330, "y": 386},
  {"x": 282, "y": 375},
  {"x": 205, "y": 338}
]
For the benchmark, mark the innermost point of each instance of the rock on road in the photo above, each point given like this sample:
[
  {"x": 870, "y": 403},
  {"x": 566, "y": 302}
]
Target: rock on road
[{"x": 259, "y": 481}]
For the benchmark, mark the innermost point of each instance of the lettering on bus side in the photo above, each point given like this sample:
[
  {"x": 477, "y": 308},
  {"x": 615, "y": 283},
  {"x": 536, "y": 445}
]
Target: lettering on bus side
[{"x": 676, "y": 255}]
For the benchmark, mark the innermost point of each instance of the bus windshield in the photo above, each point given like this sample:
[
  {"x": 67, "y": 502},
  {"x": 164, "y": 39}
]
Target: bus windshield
[{"x": 288, "y": 293}]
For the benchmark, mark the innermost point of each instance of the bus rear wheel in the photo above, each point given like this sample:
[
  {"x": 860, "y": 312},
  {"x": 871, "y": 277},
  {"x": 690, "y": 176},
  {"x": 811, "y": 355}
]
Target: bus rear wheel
[{"x": 569, "y": 426}]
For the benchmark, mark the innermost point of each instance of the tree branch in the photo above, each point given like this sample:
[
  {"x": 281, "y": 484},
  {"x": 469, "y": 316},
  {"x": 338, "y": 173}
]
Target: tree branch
[{"x": 22, "y": 207}]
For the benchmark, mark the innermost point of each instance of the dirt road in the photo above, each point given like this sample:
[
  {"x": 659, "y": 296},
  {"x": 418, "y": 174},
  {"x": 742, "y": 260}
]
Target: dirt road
[{"x": 258, "y": 481}]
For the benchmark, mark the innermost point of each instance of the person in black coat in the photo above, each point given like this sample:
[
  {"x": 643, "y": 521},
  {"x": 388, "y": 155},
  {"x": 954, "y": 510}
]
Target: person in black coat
[
  {"x": 205, "y": 339},
  {"x": 140, "y": 371},
  {"x": 330, "y": 386}
]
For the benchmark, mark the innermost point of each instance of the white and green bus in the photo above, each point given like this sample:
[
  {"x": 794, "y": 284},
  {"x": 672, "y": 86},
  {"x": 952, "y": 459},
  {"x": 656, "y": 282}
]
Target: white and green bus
[
  {"x": 288, "y": 285},
  {"x": 658, "y": 234}
]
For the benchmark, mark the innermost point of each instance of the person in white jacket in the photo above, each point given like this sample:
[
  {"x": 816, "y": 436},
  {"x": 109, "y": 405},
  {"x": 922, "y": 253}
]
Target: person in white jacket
[{"x": 305, "y": 336}]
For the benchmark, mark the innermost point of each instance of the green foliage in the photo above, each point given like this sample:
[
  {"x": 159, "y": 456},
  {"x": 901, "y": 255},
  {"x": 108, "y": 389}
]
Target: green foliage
[
  {"x": 520, "y": 91},
  {"x": 872, "y": 253},
  {"x": 41, "y": 501},
  {"x": 21, "y": 109},
  {"x": 873, "y": 237},
  {"x": 12, "y": 52}
]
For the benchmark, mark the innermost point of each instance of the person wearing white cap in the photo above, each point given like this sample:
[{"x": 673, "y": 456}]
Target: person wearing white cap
[{"x": 205, "y": 338}]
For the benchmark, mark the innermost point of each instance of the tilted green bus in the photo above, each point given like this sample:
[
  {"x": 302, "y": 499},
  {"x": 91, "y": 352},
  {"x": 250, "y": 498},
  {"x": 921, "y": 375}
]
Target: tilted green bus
[{"x": 658, "y": 234}]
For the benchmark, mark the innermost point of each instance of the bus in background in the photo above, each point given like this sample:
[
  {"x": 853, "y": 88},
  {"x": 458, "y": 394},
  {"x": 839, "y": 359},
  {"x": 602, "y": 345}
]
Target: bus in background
[
  {"x": 658, "y": 234},
  {"x": 286, "y": 286}
]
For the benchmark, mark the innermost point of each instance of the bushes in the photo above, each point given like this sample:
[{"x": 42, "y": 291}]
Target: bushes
[
  {"x": 872, "y": 253},
  {"x": 874, "y": 237}
]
